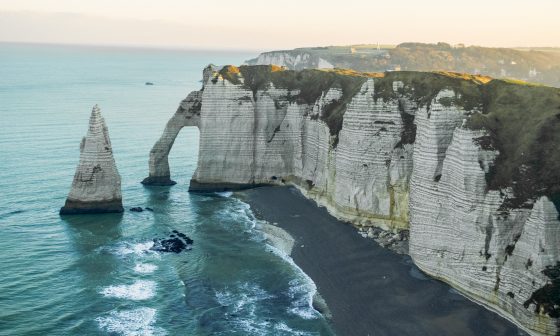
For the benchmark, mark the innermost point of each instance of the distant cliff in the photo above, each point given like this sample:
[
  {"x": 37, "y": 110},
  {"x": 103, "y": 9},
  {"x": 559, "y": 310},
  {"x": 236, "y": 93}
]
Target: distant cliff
[
  {"x": 297, "y": 59},
  {"x": 539, "y": 66},
  {"x": 469, "y": 164}
]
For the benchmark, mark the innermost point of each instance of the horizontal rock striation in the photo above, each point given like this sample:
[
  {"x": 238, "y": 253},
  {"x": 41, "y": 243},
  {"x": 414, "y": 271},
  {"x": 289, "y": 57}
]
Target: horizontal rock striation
[
  {"x": 96, "y": 187},
  {"x": 470, "y": 165}
]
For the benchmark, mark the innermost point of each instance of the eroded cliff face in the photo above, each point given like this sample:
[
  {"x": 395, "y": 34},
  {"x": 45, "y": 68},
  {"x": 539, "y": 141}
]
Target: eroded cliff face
[
  {"x": 424, "y": 151},
  {"x": 96, "y": 187}
]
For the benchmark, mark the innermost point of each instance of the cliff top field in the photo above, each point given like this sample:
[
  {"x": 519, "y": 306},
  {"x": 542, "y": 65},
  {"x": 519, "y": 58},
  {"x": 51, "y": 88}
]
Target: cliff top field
[
  {"x": 541, "y": 65},
  {"x": 522, "y": 120}
]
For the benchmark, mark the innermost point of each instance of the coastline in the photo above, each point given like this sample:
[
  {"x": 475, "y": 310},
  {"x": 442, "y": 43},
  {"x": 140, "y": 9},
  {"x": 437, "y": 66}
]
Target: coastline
[{"x": 368, "y": 289}]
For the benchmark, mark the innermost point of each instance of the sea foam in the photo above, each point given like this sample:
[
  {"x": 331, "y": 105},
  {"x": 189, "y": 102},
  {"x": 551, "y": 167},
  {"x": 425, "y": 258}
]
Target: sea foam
[
  {"x": 224, "y": 193},
  {"x": 243, "y": 298},
  {"x": 145, "y": 268},
  {"x": 127, "y": 248},
  {"x": 139, "y": 290},
  {"x": 133, "y": 322}
]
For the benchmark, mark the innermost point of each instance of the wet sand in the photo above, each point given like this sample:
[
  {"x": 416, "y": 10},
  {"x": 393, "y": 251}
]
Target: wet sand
[{"x": 369, "y": 290}]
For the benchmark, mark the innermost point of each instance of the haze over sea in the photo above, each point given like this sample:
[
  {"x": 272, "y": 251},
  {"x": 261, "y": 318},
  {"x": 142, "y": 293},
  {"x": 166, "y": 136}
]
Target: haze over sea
[{"x": 85, "y": 275}]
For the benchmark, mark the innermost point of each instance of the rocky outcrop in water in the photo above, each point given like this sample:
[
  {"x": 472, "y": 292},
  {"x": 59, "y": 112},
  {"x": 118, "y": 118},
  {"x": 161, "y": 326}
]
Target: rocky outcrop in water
[
  {"x": 468, "y": 164},
  {"x": 177, "y": 242},
  {"x": 96, "y": 187}
]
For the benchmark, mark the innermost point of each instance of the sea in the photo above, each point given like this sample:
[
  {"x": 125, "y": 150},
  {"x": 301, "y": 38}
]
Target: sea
[{"x": 97, "y": 274}]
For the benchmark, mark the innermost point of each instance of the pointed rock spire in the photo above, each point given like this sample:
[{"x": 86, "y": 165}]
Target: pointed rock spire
[{"x": 97, "y": 184}]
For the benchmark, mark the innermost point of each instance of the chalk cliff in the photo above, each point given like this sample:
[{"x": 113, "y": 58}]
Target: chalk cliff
[
  {"x": 96, "y": 187},
  {"x": 292, "y": 59},
  {"x": 469, "y": 164}
]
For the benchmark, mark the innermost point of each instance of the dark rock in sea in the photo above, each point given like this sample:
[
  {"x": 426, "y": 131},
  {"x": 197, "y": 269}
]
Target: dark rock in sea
[
  {"x": 176, "y": 243},
  {"x": 149, "y": 209},
  {"x": 149, "y": 83},
  {"x": 161, "y": 181},
  {"x": 136, "y": 209}
]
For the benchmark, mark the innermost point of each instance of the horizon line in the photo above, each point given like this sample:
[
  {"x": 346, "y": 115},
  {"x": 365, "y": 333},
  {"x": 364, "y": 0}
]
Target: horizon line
[{"x": 225, "y": 49}]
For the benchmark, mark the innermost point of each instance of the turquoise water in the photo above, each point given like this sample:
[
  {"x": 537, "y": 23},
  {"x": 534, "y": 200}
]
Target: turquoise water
[{"x": 95, "y": 275}]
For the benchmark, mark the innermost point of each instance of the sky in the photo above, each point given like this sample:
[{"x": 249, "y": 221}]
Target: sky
[{"x": 266, "y": 25}]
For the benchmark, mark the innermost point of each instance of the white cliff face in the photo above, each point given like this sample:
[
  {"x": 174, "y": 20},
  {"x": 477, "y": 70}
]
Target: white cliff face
[
  {"x": 459, "y": 234},
  {"x": 396, "y": 164},
  {"x": 247, "y": 141},
  {"x": 96, "y": 187},
  {"x": 371, "y": 173},
  {"x": 292, "y": 60}
]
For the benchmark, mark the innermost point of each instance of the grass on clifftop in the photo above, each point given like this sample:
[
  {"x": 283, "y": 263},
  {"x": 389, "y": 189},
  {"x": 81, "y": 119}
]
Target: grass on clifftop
[
  {"x": 522, "y": 119},
  {"x": 311, "y": 84},
  {"x": 524, "y": 125},
  {"x": 423, "y": 87}
]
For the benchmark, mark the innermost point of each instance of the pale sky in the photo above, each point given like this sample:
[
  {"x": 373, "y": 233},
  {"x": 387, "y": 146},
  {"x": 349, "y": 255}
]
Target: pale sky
[{"x": 267, "y": 25}]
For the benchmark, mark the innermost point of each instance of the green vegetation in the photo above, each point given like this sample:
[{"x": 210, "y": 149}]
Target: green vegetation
[
  {"x": 408, "y": 133},
  {"x": 523, "y": 122},
  {"x": 423, "y": 87},
  {"x": 540, "y": 65},
  {"x": 311, "y": 84},
  {"x": 547, "y": 298},
  {"x": 230, "y": 73}
]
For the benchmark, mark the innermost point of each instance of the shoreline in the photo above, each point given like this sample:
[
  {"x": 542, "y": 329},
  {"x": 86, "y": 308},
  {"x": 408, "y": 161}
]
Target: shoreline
[
  {"x": 283, "y": 241},
  {"x": 368, "y": 289}
]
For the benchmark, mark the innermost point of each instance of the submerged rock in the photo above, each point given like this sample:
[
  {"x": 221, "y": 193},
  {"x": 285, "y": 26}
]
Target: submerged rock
[
  {"x": 136, "y": 209},
  {"x": 96, "y": 187}
]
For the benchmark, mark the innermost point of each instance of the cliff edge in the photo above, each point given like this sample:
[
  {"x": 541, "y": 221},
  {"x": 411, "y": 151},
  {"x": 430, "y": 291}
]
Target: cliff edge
[{"x": 469, "y": 164}]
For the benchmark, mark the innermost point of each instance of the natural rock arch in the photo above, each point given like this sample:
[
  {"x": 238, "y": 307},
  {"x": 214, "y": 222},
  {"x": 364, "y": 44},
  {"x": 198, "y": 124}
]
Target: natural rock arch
[{"x": 188, "y": 114}]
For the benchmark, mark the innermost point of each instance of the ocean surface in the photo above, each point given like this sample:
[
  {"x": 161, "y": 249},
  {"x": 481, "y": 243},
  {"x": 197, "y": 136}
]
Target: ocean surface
[{"x": 96, "y": 275}]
